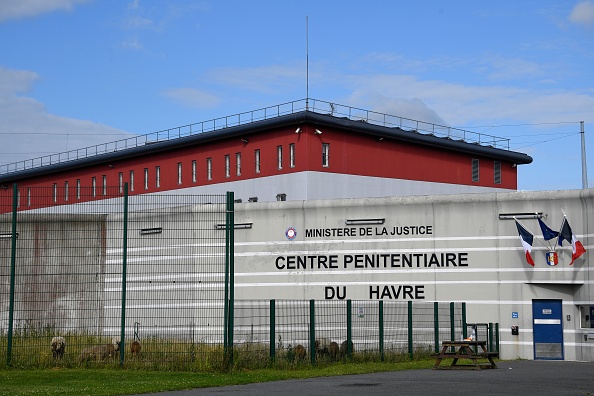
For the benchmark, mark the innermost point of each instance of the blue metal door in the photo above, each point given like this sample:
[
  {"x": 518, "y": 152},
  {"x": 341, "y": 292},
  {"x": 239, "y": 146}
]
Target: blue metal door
[{"x": 547, "y": 325}]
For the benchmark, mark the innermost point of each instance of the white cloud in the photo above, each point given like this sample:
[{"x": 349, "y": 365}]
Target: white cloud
[
  {"x": 29, "y": 131},
  {"x": 191, "y": 97},
  {"x": 583, "y": 13},
  {"x": 17, "y": 9},
  {"x": 267, "y": 79}
]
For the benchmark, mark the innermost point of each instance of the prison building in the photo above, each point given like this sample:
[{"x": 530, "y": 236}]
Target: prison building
[{"x": 297, "y": 151}]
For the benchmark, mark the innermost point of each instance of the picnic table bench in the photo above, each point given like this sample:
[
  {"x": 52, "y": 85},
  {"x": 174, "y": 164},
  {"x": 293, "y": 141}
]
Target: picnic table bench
[{"x": 465, "y": 350}]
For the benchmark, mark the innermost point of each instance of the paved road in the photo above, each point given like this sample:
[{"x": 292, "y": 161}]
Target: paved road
[{"x": 523, "y": 378}]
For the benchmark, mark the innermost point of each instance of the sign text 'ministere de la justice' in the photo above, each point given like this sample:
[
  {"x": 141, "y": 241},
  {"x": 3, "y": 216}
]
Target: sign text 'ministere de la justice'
[{"x": 368, "y": 261}]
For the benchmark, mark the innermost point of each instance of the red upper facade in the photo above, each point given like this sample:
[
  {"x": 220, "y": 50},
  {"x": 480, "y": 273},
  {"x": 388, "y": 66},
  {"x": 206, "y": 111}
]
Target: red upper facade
[{"x": 303, "y": 141}]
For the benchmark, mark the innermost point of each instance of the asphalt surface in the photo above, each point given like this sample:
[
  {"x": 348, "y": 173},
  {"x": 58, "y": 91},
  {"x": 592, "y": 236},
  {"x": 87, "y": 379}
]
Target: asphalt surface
[{"x": 520, "y": 377}]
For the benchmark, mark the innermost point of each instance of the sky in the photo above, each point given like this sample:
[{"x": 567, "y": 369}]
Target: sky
[{"x": 75, "y": 73}]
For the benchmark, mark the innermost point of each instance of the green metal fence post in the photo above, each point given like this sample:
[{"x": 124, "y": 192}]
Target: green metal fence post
[
  {"x": 349, "y": 329},
  {"x": 490, "y": 347},
  {"x": 229, "y": 279},
  {"x": 312, "y": 331},
  {"x": 436, "y": 325},
  {"x": 12, "y": 273},
  {"x": 272, "y": 329},
  {"x": 452, "y": 322},
  {"x": 226, "y": 302},
  {"x": 124, "y": 272},
  {"x": 231, "y": 198},
  {"x": 464, "y": 329},
  {"x": 381, "y": 329},
  {"x": 410, "y": 330}
]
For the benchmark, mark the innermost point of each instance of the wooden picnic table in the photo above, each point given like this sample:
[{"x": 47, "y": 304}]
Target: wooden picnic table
[{"x": 465, "y": 350}]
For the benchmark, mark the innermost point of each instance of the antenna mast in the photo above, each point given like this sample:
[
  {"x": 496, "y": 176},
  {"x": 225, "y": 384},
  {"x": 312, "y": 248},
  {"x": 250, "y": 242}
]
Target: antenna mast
[
  {"x": 584, "y": 167},
  {"x": 306, "y": 63}
]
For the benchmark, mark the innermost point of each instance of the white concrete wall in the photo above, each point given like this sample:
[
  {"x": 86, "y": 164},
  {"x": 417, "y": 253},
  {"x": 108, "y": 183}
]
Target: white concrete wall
[{"x": 492, "y": 276}]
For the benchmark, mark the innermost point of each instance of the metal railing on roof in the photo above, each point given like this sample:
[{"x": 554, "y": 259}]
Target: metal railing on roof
[{"x": 313, "y": 105}]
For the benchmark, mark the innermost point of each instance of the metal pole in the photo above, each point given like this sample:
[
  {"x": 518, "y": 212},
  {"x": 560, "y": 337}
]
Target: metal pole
[
  {"x": 231, "y": 272},
  {"x": 410, "y": 330},
  {"x": 272, "y": 329},
  {"x": 381, "y": 329},
  {"x": 436, "y": 325},
  {"x": 124, "y": 270},
  {"x": 312, "y": 331},
  {"x": 349, "y": 329},
  {"x": 12, "y": 273},
  {"x": 584, "y": 167}
]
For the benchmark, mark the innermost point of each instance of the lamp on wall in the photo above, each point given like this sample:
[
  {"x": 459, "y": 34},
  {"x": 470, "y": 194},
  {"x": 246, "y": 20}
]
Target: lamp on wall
[
  {"x": 244, "y": 140},
  {"x": 318, "y": 132},
  {"x": 298, "y": 130}
]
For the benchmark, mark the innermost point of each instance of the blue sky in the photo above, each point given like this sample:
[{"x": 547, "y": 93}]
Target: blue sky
[{"x": 74, "y": 73}]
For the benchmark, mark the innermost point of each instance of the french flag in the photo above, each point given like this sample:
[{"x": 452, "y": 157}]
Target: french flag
[
  {"x": 526, "y": 237},
  {"x": 577, "y": 249}
]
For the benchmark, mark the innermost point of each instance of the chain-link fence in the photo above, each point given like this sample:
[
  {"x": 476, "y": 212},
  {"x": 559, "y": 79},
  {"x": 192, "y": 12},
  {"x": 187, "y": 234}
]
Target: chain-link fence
[{"x": 96, "y": 277}]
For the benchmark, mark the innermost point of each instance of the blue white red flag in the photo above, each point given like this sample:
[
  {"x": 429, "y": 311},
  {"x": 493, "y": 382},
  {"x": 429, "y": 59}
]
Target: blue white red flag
[
  {"x": 526, "y": 237},
  {"x": 547, "y": 233},
  {"x": 577, "y": 249}
]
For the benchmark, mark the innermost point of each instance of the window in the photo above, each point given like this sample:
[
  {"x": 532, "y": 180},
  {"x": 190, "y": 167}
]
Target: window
[
  {"x": 55, "y": 192},
  {"x": 227, "y": 165},
  {"x": 257, "y": 157},
  {"x": 279, "y": 157},
  {"x": 18, "y": 197},
  {"x": 586, "y": 313},
  {"x": 121, "y": 182},
  {"x": 104, "y": 185},
  {"x": 157, "y": 176},
  {"x": 475, "y": 170},
  {"x": 66, "y": 191},
  {"x": 325, "y": 155},
  {"x": 146, "y": 177},
  {"x": 94, "y": 186},
  {"x": 209, "y": 169},
  {"x": 131, "y": 180},
  {"x": 77, "y": 188},
  {"x": 238, "y": 164},
  {"x": 194, "y": 171},
  {"x": 497, "y": 169},
  {"x": 292, "y": 155},
  {"x": 179, "y": 173},
  {"x": 28, "y": 196}
]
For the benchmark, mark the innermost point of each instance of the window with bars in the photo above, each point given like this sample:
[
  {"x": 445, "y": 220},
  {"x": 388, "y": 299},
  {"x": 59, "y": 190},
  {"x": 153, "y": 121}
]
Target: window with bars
[
  {"x": 238, "y": 164},
  {"x": 279, "y": 157},
  {"x": 146, "y": 178},
  {"x": 131, "y": 180},
  {"x": 179, "y": 173},
  {"x": 55, "y": 192},
  {"x": 94, "y": 186},
  {"x": 209, "y": 169},
  {"x": 257, "y": 160},
  {"x": 193, "y": 171},
  {"x": 66, "y": 191},
  {"x": 475, "y": 170},
  {"x": 77, "y": 188},
  {"x": 104, "y": 185},
  {"x": 497, "y": 172},
  {"x": 325, "y": 155},
  {"x": 158, "y": 176},
  {"x": 121, "y": 182},
  {"x": 292, "y": 155},
  {"x": 227, "y": 165}
]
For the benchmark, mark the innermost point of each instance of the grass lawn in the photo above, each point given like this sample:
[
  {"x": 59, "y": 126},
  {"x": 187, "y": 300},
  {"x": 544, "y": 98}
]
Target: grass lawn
[{"x": 64, "y": 381}]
